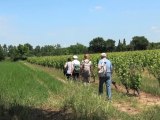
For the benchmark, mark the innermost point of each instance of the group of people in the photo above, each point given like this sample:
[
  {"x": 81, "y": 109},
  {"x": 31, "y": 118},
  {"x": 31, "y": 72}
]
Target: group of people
[{"x": 74, "y": 68}]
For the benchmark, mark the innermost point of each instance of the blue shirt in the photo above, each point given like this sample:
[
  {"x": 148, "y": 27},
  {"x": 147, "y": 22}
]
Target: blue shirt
[{"x": 107, "y": 63}]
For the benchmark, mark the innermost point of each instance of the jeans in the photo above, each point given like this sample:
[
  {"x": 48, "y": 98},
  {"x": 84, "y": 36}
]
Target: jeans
[{"x": 107, "y": 81}]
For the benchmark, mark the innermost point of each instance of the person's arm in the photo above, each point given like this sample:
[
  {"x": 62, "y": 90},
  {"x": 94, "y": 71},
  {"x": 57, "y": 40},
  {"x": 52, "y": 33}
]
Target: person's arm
[
  {"x": 99, "y": 65},
  {"x": 65, "y": 65},
  {"x": 92, "y": 71},
  {"x": 72, "y": 67},
  {"x": 111, "y": 68},
  {"x": 81, "y": 66}
]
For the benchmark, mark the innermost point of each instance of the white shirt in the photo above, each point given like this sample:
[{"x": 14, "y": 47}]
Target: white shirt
[
  {"x": 70, "y": 67},
  {"x": 76, "y": 62}
]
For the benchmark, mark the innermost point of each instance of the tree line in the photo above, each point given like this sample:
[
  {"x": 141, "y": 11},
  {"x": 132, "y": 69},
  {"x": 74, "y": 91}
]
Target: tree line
[{"x": 98, "y": 44}]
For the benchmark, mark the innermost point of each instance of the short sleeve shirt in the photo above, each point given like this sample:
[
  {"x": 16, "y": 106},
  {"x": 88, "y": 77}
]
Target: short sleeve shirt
[{"x": 108, "y": 64}]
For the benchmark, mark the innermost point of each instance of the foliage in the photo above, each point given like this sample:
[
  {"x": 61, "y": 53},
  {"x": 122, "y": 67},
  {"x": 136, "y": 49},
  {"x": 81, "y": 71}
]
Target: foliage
[
  {"x": 2, "y": 54},
  {"x": 84, "y": 103},
  {"x": 110, "y": 45},
  {"x": 150, "y": 114},
  {"x": 97, "y": 45},
  {"x": 127, "y": 65},
  {"x": 77, "y": 49},
  {"x": 139, "y": 43}
]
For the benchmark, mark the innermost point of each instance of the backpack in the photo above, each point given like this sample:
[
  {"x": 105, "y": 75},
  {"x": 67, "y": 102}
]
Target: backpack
[
  {"x": 65, "y": 69},
  {"x": 86, "y": 65},
  {"x": 76, "y": 68},
  {"x": 103, "y": 71}
]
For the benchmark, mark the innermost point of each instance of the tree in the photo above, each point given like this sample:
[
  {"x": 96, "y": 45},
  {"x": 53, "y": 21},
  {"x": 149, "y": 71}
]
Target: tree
[
  {"x": 2, "y": 57},
  {"x": 97, "y": 45},
  {"x": 153, "y": 45},
  {"x": 77, "y": 49},
  {"x": 124, "y": 42},
  {"x": 119, "y": 46},
  {"x": 30, "y": 48},
  {"x": 23, "y": 51},
  {"x": 5, "y": 50},
  {"x": 13, "y": 53},
  {"x": 47, "y": 50},
  {"x": 139, "y": 43},
  {"x": 124, "y": 47},
  {"x": 57, "y": 50},
  {"x": 110, "y": 45},
  {"x": 37, "y": 51}
]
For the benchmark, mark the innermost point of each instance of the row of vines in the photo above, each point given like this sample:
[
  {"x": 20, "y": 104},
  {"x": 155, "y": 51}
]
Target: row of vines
[{"x": 127, "y": 65}]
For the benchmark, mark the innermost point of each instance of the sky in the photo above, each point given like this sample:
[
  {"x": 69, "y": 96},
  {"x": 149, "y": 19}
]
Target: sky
[{"x": 67, "y": 22}]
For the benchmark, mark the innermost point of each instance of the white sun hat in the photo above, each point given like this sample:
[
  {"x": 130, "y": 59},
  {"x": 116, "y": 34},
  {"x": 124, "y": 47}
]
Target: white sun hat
[
  {"x": 103, "y": 54},
  {"x": 75, "y": 56}
]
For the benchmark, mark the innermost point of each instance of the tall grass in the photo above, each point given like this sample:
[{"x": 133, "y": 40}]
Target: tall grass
[
  {"x": 150, "y": 85},
  {"x": 22, "y": 89},
  {"x": 151, "y": 114},
  {"x": 85, "y": 103},
  {"x": 22, "y": 85},
  {"x": 82, "y": 102}
]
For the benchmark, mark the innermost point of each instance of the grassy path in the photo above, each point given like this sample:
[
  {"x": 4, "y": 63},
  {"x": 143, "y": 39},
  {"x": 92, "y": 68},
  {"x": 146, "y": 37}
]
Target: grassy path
[
  {"x": 129, "y": 104},
  {"x": 24, "y": 92},
  {"x": 33, "y": 92}
]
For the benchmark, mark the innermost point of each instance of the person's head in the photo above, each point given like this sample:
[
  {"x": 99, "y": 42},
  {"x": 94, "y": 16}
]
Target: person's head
[
  {"x": 69, "y": 59},
  {"x": 103, "y": 55},
  {"x": 86, "y": 56},
  {"x": 75, "y": 57}
]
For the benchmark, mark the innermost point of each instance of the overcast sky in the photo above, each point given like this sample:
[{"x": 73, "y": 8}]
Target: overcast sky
[{"x": 66, "y": 22}]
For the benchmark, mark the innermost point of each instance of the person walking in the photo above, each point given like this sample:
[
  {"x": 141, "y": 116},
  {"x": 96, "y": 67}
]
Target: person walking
[
  {"x": 86, "y": 67},
  {"x": 76, "y": 68},
  {"x": 105, "y": 74},
  {"x": 68, "y": 68}
]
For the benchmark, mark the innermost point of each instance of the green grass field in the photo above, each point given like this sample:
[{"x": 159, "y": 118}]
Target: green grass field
[
  {"x": 22, "y": 86},
  {"x": 29, "y": 92}
]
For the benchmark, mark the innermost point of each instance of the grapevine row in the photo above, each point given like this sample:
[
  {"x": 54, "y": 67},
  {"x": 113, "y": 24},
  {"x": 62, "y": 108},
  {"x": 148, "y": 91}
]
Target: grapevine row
[{"x": 127, "y": 65}]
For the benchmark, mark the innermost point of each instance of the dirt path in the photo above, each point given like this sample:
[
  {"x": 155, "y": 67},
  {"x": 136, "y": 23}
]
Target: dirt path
[{"x": 144, "y": 101}]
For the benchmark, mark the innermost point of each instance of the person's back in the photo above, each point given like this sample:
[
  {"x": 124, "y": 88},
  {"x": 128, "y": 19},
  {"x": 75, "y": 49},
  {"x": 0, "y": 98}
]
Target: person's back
[
  {"x": 69, "y": 68},
  {"x": 76, "y": 67},
  {"x": 86, "y": 65},
  {"x": 105, "y": 73},
  {"x": 86, "y": 68},
  {"x": 105, "y": 63}
]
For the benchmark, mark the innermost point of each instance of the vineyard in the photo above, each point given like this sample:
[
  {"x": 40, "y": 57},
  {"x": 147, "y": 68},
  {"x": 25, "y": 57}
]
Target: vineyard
[
  {"x": 38, "y": 90},
  {"x": 129, "y": 68}
]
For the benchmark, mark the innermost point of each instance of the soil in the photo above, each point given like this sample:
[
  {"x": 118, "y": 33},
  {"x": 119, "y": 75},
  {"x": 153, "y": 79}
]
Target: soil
[{"x": 144, "y": 100}]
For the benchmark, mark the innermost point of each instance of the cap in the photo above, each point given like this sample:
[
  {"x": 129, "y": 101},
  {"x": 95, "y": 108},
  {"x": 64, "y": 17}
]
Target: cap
[
  {"x": 75, "y": 56},
  {"x": 86, "y": 55},
  {"x": 103, "y": 54}
]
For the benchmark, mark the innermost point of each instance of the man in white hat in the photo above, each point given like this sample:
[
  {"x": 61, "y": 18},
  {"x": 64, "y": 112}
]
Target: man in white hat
[
  {"x": 76, "y": 67},
  {"x": 105, "y": 72}
]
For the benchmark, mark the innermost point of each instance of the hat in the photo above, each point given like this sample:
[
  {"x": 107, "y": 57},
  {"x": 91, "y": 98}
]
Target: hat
[
  {"x": 103, "y": 54},
  {"x": 86, "y": 55},
  {"x": 75, "y": 56}
]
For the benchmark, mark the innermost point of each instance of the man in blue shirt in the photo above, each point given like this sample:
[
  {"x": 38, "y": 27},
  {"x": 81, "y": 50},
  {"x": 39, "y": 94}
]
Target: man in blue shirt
[{"x": 105, "y": 73}]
